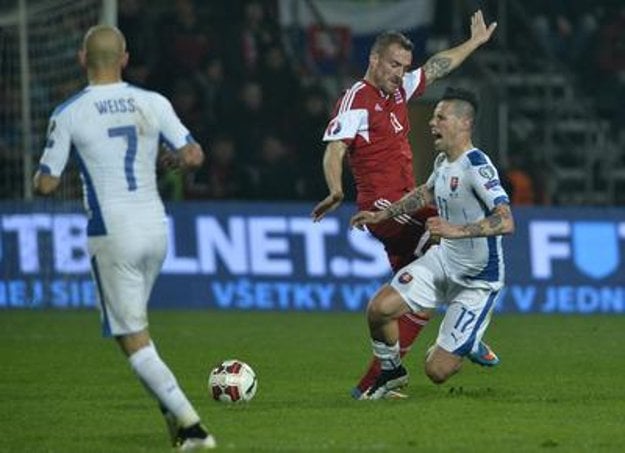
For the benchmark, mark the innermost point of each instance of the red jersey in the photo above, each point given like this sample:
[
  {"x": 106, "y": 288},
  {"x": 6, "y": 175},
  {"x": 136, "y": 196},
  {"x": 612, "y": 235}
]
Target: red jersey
[{"x": 375, "y": 127}]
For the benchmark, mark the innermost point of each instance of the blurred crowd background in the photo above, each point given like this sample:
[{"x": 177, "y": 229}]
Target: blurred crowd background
[{"x": 258, "y": 99}]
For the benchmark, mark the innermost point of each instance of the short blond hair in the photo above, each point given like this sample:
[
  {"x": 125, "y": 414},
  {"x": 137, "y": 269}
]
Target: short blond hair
[
  {"x": 384, "y": 40},
  {"x": 104, "y": 46}
]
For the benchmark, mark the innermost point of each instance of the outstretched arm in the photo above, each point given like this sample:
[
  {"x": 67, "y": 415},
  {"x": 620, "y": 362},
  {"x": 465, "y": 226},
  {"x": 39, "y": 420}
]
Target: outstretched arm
[
  {"x": 333, "y": 172},
  {"x": 411, "y": 202},
  {"x": 499, "y": 222},
  {"x": 442, "y": 63}
]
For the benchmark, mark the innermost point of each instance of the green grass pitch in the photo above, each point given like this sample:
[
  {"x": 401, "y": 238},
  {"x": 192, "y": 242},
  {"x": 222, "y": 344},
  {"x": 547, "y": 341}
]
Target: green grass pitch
[{"x": 560, "y": 386}]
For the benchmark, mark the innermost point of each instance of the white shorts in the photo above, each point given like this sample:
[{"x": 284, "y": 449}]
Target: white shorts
[
  {"x": 124, "y": 269},
  {"x": 424, "y": 284}
]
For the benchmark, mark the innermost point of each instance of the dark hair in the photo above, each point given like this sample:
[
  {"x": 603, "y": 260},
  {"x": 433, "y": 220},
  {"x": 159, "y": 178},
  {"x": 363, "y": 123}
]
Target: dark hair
[
  {"x": 387, "y": 38},
  {"x": 460, "y": 94}
]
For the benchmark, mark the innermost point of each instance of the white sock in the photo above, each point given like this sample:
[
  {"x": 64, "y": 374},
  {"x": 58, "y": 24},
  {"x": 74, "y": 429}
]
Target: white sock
[
  {"x": 388, "y": 355},
  {"x": 153, "y": 372}
]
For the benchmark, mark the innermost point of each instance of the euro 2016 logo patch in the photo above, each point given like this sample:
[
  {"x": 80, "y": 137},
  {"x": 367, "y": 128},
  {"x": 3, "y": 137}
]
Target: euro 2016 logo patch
[
  {"x": 405, "y": 278},
  {"x": 487, "y": 172},
  {"x": 453, "y": 183},
  {"x": 334, "y": 127}
]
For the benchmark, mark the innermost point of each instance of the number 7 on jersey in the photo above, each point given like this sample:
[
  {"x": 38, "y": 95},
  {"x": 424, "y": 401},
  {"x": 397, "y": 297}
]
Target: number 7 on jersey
[{"x": 130, "y": 132}]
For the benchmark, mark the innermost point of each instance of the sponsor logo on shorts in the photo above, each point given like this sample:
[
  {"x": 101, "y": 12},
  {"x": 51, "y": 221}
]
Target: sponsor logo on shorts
[{"x": 405, "y": 278}]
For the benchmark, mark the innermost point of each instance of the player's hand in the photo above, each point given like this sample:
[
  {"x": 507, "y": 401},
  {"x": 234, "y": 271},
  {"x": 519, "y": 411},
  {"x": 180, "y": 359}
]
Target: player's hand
[
  {"x": 191, "y": 156},
  {"x": 167, "y": 160},
  {"x": 479, "y": 32},
  {"x": 362, "y": 218},
  {"x": 328, "y": 204},
  {"x": 440, "y": 228}
]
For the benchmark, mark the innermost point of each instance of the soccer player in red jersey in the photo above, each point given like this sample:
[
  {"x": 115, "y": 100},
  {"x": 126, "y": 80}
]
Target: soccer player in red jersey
[{"x": 370, "y": 125}]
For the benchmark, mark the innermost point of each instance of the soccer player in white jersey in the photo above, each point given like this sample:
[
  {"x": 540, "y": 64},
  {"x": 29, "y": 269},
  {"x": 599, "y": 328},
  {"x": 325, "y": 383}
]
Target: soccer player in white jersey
[
  {"x": 465, "y": 272},
  {"x": 113, "y": 130}
]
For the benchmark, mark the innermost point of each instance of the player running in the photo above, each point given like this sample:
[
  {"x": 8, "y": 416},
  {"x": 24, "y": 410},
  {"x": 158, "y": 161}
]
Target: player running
[{"x": 113, "y": 130}]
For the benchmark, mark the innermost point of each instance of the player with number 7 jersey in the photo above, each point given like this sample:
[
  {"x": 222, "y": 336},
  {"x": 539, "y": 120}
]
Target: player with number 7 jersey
[{"x": 113, "y": 131}]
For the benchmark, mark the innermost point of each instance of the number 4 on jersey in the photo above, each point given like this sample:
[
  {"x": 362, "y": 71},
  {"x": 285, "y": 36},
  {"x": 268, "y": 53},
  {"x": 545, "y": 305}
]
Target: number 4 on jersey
[{"x": 395, "y": 123}]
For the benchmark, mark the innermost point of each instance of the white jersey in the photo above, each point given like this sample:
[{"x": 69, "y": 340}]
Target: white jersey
[
  {"x": 466, "y": 191},
  {"x": 113, "y": 131}
]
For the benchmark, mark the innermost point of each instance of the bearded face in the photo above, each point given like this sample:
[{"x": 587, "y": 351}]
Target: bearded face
[{"x": 389, "y": 66}]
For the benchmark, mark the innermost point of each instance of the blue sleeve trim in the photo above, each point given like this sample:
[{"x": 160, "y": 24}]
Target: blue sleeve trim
[
  {"x": 477, "y": 158},
  {"x": 501, "y": 200},
  {"x": 162, "y": 139},
  {"x": 44, "y": 169},
  {"x": 189, "y": 138}
]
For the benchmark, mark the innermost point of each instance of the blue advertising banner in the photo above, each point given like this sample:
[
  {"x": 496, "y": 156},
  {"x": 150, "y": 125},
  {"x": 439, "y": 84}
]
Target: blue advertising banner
[
  {"x": 263, "y": 256},
  {"x": 566, "y": 260}
]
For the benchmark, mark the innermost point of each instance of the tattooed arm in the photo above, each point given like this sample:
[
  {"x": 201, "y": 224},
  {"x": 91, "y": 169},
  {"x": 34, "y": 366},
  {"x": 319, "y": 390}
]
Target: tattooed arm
[
  {"x": 499, "y": 222},
  {"x": 442, "y": 63},
  {"x": 411, "y": 202}
]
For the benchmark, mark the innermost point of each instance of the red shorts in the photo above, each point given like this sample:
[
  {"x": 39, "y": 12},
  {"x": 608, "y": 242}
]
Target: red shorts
[{"x": 401, "y": 236}]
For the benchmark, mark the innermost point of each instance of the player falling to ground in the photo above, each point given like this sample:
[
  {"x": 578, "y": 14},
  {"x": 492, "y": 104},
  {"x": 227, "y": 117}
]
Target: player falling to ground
[
  {"x": 370, "y": 124},
  {"x": 465, "y": 272},
  {"x": 113, "y": 130}
]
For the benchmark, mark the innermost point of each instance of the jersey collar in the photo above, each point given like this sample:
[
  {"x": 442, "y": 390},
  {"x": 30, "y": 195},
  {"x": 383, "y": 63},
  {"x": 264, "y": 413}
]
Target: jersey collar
[
  {"x": 381, "y": 93},
  {"x": 107, "y": 85}
]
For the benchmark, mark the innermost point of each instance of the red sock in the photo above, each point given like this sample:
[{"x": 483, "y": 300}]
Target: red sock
[{"x": 409, "y": 328}]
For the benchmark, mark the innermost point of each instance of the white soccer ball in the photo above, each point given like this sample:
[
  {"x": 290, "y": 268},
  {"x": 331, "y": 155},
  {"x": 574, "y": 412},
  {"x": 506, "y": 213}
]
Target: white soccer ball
[{"x": 232, "y": 381}]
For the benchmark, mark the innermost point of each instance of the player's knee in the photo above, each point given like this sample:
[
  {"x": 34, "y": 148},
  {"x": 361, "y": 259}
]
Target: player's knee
[
  {"x": 131, "y": 343},
  {"x": 374, "y": 311},
  {"x": 436, "y": 373},
  {"x": 440, "y": 365},
  {"x": 379, "y": 310},
  {"x": 386, "y": 305}
]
